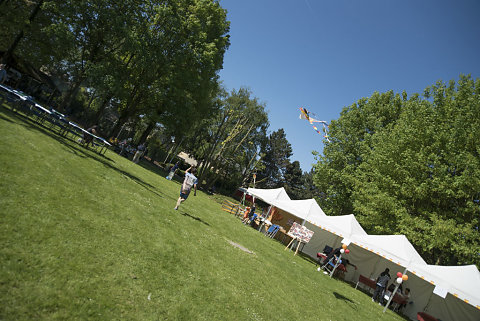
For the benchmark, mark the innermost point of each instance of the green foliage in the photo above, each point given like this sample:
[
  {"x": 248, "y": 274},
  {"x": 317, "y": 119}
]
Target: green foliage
[
  {"x": 294, "y": 185},
  {"x": 277, "y": 151},
  {"x": 228, "y": 144},
  {"x": 151, "y": 57},
  {"x": 411, "y": 166}
]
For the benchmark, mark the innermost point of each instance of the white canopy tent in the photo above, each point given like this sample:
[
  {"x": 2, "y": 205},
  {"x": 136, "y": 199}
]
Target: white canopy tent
[
  {"x": 373, "y": 253},
  {"x": 304, "y": 209},
  {"x": 269, "y": 195},
  {"x": 395, "y": 248},
  {"x": 377, "y": 252},
  {"x": 331, "y": 230},
  {"x": 343, "y": 225},
  {"x": 451, "y": 288}
]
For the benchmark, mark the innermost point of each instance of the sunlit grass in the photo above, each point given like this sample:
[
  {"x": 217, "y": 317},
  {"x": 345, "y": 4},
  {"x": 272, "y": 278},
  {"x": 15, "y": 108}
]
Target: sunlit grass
[{"x": 86, "y": 236}]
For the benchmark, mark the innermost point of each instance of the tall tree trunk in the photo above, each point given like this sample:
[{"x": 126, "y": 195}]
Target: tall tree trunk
[
  {"x": 216, "y": 139},
  {"x": 101, "y": 108},
  {"x": 129, "y": 110},
  {"x": 249, "y": 168},
  {"x": 146, "y": 132},
  {"x": 71, "y": 93}
]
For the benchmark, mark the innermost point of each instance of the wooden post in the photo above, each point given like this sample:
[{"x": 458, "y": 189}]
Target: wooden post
[
  {"x": 293, "y": 239},
  {"x": 298, "y": 245}
]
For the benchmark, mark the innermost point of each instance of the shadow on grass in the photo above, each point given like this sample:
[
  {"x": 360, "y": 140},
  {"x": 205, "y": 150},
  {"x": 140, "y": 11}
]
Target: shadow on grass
[
  {"x": 196, "y": 218},
  {"x": 339, "y": 296},
  {"x": 308, "y": 258},
  {"x": 5, "y": 119},
  {"x": 74, "y": 148},
  {"x": 152, "y": 167}
]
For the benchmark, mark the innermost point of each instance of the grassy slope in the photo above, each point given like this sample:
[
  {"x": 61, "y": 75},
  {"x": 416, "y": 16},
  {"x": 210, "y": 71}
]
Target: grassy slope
[{"x": 91, "y": 237}]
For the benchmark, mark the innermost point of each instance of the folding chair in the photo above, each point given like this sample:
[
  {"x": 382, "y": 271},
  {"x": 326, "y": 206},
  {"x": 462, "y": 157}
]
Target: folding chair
[
  {"x": 330, "y": 264},
  {"x": 272, "y": 230}
]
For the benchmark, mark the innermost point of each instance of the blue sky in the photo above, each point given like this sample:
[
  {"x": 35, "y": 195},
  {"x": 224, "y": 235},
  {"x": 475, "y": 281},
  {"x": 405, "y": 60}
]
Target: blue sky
[{"x": 325, "y": 55}]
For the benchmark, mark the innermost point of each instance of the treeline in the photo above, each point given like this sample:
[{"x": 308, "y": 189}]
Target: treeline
[
  {"x": 148, "y": 70},
  {"x": 410, "y": 166}
]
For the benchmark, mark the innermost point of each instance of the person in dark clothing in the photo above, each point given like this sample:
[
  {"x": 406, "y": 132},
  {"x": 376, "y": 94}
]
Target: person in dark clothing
[
  {"x": 172, "y": 171},
  {"x": 88, "y": 135},
  {"x": 382, "y": 282},
  {"x": 331, "y": 254}
]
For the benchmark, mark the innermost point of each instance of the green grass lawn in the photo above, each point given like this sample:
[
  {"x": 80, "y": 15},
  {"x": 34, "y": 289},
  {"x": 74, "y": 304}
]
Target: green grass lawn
[{"x": 95, "y": 237}]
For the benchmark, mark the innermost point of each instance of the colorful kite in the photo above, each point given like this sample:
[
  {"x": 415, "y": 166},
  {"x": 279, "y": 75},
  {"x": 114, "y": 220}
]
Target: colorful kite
[{"x": 305, "y": 114}]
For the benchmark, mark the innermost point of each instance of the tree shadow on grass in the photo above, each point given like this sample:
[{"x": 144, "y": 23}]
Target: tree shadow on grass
[
  {"x": 73, "y": 146},
  {"x": 5, "y": 119},
  {"x": 196, "y": 218},
  {"x": 152, "y": 167}
]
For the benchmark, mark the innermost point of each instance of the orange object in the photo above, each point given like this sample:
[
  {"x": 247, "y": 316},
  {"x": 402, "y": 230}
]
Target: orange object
[{"x": 247, "y": 210}]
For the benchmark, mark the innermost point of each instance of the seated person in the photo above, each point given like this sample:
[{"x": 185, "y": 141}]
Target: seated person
[
  {"x": 392, "y": 286},
  {"x": 245, "y": 219},
  {"x": 330, "y": 255},
  {"x": 321, "y": 255},
  {"x": 406, "y": 295}
]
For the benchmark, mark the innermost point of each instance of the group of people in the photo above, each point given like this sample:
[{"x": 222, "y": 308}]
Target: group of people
[
  {"x": 381, "y": 281},
  {"x": 124, "y": 148}
]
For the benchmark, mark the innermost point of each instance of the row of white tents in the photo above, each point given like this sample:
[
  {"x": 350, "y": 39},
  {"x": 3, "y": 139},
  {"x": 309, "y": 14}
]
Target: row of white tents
[{"x": 446, "y": 292}]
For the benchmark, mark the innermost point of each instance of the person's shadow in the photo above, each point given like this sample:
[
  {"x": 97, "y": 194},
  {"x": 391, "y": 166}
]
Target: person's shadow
[
  {"x": 195, "y": 218},
  {"x": 339, "y": 296}
]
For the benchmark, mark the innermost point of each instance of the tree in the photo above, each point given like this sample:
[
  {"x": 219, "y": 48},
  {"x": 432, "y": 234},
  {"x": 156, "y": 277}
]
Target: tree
[
  {"x": 7, "y": 57},
  {"x": 424, "y": 175},
  {"x": 228, "y": 144},
  {"x": 418, "y": 174},
  {"x": 294, "y": 184},
  {"x": 277, "y": 152},
  {"x": 350, "y": 142}
]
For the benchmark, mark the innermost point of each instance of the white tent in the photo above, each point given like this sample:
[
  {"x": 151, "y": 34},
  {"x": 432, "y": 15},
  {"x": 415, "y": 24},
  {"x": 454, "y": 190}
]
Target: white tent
[
  {"x": 395, "y": 248},
  {"x": 458, "y": 284},
  {"x": 343, "y": 225},
  {"x": 373, "y": 253},
  {"x": 330, "y": 230},
  {"x": 269, "y": 195},
  {"x": 304, "y": 209}
]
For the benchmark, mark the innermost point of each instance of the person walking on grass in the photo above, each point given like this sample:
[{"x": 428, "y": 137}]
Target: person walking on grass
[
  {"x": 382, "y": 282},
  {"x": 172, "y": 171},
  {"x": 190, "y": 181}
]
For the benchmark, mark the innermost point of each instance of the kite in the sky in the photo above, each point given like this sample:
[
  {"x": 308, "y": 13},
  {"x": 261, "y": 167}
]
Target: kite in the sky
[{"x": 305, "y": 114}]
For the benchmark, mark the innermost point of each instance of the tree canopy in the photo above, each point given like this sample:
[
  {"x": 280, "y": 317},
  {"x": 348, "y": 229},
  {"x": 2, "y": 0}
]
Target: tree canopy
[{"x": 410, "y": 166}]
